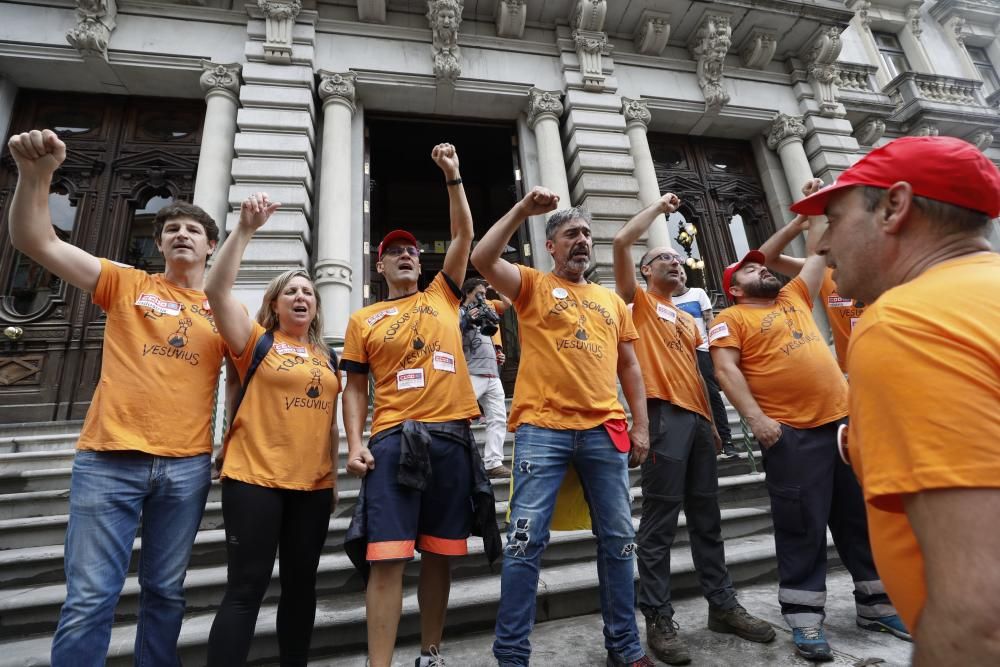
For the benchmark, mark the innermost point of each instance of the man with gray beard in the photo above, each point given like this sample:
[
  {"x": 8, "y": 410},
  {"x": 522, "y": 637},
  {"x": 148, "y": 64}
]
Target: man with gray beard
[{"x": 774, "y": 366}]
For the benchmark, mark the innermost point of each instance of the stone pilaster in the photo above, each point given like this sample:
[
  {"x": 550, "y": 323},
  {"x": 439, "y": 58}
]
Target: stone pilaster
[
  {"x": 333, "y": 270},
  {"x": 637, "y": 117},
  {"x": 221, "y": 84},
  {"x": 545, "y": 109}
]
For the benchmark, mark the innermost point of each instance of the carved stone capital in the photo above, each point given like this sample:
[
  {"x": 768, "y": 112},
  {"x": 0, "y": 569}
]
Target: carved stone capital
[
  {"x": 913, "y": 16},
  {"x": 95, "y": 21},
  {"x": 708, "y": 47},
  {"x": 869, "y": 132},
  {"x": 824, "y": 48},
  {"x": 510, "y": 18},
  {"x": 445, "y": 17},
  {"x": 959, "y": 29},
  {"x": 220, "y": 77},
  {"x": 981, "y": 139},
  {"x": 636, "y": 112},
  {"x": 543, "y": 103},
  {"x": 924, "y": 129},
  {"x": 589, "y": 15},
  {"x": 335, "y": 271},
  {"x": 279, "y": 20},
  {"x": 590, "y": 46},
  {"x": 863, "y": 9},
  {"x": 820, "y": 57},
  {"x": 785, "y": 129},
  {"x": 337, "y": 88},
  {"x": 759, "y": 48},
  {"x": 652, "y": 32}
]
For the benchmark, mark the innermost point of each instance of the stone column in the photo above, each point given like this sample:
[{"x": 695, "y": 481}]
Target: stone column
[
  {"x": 786, "y": 137},
  {"x": 221, "y": 83},
  {"x": 637, "y": 117},
  {"x": 332, "y": 269},
  {"x": 544, "y": 111}
]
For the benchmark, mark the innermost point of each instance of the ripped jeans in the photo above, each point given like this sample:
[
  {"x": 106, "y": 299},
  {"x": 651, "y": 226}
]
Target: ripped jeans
[{"x": 540, "y": 459}]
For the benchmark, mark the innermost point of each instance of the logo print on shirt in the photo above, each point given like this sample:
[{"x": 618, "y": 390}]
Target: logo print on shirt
[
  {"x": 581, "y": 332},
  {"x": 315, "y": 386},
  {"x": 418, "y": 341},
  {"x": 179, "y": 338}
]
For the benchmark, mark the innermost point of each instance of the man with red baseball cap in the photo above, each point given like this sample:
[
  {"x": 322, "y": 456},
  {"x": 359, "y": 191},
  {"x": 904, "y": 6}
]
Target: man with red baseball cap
[
  {"x": 422, "y": 471},
  {"x": 907, "y": 234},
  {"x": 775, "y": 367}
]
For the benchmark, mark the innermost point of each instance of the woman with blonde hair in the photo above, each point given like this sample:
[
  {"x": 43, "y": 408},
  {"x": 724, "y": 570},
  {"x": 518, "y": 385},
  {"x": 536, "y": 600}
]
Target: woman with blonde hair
[{"x": 278, "y": 475}]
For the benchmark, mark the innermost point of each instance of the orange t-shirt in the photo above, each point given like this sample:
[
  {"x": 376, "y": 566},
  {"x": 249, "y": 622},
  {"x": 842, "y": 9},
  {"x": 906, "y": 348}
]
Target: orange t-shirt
[
  {"x": 281, "y": 435},
  {"x": 784, "y": 358},
  {"x": 413, "y": 348},
  {"x": 161, "y": 360},
  {"x": 843, "y": 314},
  {"x": 668, "y": 340},
  {"x": 924, "y": 363},
  {"x": 569, "y": 334}
]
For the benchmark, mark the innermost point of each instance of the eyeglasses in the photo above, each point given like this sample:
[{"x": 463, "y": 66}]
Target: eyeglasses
[
  {"x": 666, "y": 257},
  {"x": 400, "y": 250}
]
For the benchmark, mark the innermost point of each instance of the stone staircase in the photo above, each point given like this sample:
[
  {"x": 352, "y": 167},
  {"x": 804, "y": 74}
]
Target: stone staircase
[{"x": 35, "y": 465}]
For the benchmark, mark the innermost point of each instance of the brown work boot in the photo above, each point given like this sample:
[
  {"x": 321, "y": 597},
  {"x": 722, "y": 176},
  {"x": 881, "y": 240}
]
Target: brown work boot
[
  {"x": 498, "y": 472},
  {"x": 738, "y": 621},
  {"x": 664, "y": 642}
]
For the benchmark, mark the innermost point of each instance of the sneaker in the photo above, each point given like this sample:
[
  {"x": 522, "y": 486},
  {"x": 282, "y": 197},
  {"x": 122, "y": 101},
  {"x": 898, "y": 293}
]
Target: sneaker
[
  {"x": 729, "y": 452},
  {"x": 811, "y": 644},
  {"x": 664, "y": 642},
  {"x": 498, "y": 472},
  {"x": 644, "y": 661},
  {"x": 892, "y": 624},
  {"x": 738, "y": 621},
  {"x": 432, "y": 660}
]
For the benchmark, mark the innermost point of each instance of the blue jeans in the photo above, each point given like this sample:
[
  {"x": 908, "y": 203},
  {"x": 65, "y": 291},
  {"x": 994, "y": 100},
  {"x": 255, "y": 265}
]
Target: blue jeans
[
  {"x": 109, "y": 491},
  {"x": 540, "y": 459}
]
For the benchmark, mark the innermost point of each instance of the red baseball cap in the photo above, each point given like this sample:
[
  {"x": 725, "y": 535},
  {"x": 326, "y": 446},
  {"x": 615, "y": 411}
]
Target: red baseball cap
[
  {"x": 944, "y": 169},
  {"x": 396, "y": 235},
  {"x": 755, "y": 256}
]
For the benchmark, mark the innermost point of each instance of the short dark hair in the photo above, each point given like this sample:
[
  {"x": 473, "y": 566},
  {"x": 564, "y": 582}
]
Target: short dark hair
[
  {"x": 949, "y": 216},
  {"x": 183, "y": 209},
  {"x": 561, "y": 217},
  {"x": 470, "y": 285}
]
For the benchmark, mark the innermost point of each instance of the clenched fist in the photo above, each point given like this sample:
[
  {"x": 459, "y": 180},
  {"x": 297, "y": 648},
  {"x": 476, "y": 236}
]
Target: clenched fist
[
  {"x": 37, "y": 153},
  {"x": 446, "y": 157},
  {"x": 540, "y": 200}
]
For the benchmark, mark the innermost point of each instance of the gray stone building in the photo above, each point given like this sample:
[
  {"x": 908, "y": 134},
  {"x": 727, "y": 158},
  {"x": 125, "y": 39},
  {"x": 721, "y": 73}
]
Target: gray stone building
[{"x": 332, "y": 106}]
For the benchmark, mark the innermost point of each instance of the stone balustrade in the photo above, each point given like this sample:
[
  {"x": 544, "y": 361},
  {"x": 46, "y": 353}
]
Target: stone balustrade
[
  {"x": 910, "y": 86},
  {"x": 856, "y": 77}
]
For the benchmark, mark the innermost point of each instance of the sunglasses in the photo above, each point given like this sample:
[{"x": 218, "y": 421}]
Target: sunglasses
[
  {"x": 666, "y": 257},
  {"x": 400, "y": 250}
]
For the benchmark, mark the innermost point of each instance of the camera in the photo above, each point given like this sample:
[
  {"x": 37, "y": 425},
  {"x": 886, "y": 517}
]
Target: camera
[{"x": 487, "y": 320}]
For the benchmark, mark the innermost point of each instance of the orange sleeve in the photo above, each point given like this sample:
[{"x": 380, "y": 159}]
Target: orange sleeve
[
  {"x": 354, "y": 343},
  {"x": 110, "y": 283},
  {"x": 796, "y": 288},
  {"x": 920, "y": 410},
  {"x": 529, "y": 277},
  {"x": 725, "y": 331},
  {"x": 242, "y": 358}
]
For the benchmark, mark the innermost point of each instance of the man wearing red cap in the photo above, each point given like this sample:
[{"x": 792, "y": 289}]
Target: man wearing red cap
[
  {"x": 907, "y": 234},
  {"x": 422, "y": 471},
  {"x": 775, "y": 367}
]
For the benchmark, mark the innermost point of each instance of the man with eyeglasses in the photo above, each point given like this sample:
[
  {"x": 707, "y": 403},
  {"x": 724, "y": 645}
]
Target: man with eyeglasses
[
  {"x": 425, "y": 486},
  {"x": 681, "y": 469}
]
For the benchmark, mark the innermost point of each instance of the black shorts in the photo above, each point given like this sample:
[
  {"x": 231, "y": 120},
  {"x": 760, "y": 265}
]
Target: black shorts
[{"x": 437, "y": 520}]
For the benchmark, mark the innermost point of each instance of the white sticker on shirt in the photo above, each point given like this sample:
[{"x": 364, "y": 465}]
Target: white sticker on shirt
[
  {"x": 666, "y": 313},
  {"x": 444, "y": 362},
  {"x": 381, "y": 315},
  {"x": 720, "y": 330},
  {"x": 410, "y": 378},
  {"x": 285, "y": 349},
  {"x": 158, "y": 305},
  {"x": 835, "y": 301}
]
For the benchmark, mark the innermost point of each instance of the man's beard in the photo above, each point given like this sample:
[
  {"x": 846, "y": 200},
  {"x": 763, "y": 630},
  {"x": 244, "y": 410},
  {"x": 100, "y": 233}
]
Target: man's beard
[{"x": 764, "y": 288}]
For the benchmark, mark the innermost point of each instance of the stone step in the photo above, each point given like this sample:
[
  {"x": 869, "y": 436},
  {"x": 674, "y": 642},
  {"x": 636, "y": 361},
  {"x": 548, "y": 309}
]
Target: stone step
[
  {"x": 35, "y": 609},
  {"x": 37, "y": 564}
]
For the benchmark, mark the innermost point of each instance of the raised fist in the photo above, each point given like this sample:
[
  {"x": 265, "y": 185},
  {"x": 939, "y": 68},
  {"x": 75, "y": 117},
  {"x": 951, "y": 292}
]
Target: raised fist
[
  {"x": 37, "y": 153},
  {"x": 540, "y": 200},
  {"x": 670, "y": 203},
  {"x": 446, "y": 157},
  {"x": 256, "y": 209},
  {"x": 812, "y": 186}
]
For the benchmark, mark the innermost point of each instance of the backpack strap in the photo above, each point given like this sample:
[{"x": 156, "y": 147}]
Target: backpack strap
[{"x": 260, "y": 351}]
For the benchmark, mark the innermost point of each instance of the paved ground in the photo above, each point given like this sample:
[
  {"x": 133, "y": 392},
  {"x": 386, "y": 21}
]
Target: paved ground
[{"x": 577, "y": 642}]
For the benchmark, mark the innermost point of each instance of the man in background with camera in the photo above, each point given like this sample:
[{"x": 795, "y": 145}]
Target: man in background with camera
[{"x": 479, "y": 320}]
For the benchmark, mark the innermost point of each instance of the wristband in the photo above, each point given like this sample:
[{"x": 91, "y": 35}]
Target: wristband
[{"x": 454, "y": 181}]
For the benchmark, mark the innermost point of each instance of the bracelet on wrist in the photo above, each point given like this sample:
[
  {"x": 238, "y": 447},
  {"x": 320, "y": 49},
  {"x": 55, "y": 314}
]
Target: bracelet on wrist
[{"x": 454, "y": 181}]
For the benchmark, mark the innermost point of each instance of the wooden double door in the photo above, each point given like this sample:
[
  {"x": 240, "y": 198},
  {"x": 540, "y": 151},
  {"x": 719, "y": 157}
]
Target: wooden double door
[
  {"x": 126, "y": 158},
  {"x": 721, "y": 195}
]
